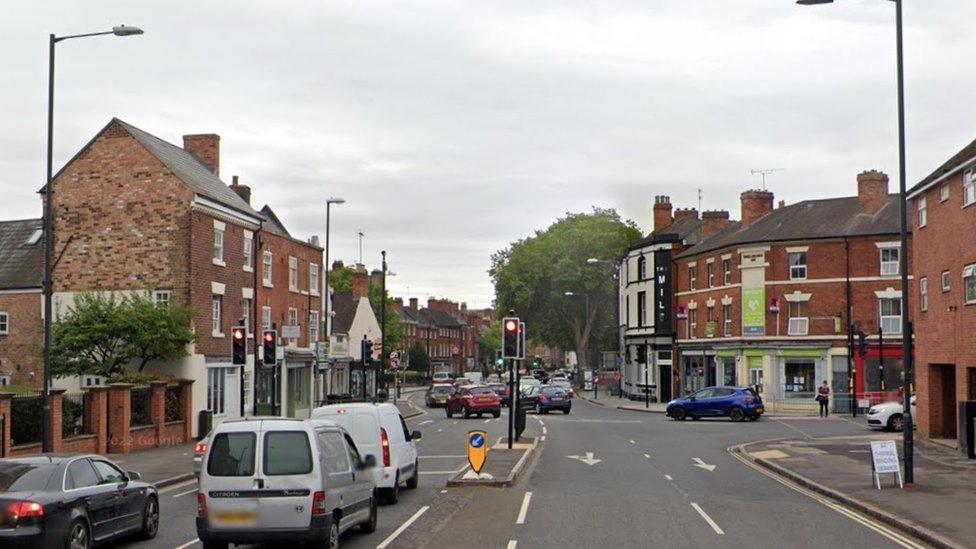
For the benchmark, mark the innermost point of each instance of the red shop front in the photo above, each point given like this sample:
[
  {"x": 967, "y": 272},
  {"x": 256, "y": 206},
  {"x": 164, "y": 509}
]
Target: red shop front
[{"x": 879, "y": 374}]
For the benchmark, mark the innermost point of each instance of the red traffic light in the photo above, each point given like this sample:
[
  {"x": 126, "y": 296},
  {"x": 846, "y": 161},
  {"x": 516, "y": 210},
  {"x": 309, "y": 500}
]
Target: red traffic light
[
  {"x": 511, "y": 325},
  {"x": 269, "y": 337},
  {"x": 238, "y": 333}
]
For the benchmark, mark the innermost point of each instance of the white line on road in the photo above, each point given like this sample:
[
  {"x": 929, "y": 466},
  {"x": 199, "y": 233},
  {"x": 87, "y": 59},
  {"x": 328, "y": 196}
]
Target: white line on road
[
  {"x": 175, "y": 487},
  {"x": 181, "y": 494},
  {"x": 403, "y": 527},
  {"x": 648, "y": 456},
  {"x": 512, "y": 544},
  {"x": 543, "y": 437},
  {"x": 487, "y": 421},
  {"x": 545, "y": 431},
  {"x": 426, "y": 422},
  {"x": 443, "y": 491},
  {"x": 187, "y": 544},
  {"x": 444, "y": 457},
  {"x": 441, "y": 429},
  {"x": 632, "y": 441},
  {"x": 668, "y": 477},
  {"x": 455, "y": 423},
  {"x": 524, "y": 509},
  {"x": 543, "y": 423},
  {"x": 708, "y": 519}
]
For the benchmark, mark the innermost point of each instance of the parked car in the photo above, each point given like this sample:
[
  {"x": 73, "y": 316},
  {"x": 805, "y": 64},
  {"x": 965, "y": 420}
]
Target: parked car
[
  {"x": 72, "y": 501},
  {"x": 475, "y": 400},
  {"x": 379, "y": 430},
  {"x": 283, "y": 480},
  {"x": 888, "y": 415},
  {"x": 438, "y": 394},
  {"x": 503, "y": 392},
  {"x": 442, "y": 377},
  {"x": 737, "y": 403}
]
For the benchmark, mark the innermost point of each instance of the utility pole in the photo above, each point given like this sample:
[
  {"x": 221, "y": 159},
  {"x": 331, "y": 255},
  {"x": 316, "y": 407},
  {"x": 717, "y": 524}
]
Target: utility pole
[{"x": 383, "y": 324}]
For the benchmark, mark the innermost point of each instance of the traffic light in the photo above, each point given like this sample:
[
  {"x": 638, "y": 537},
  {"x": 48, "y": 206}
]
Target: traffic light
[
  {"x": 270, "y": 343},
  {"x": 862, "y": 342},
  {"x": 510, "y": 337},
  {"x": 238, "y": 337},
  {"x": 366, "y": 352}
]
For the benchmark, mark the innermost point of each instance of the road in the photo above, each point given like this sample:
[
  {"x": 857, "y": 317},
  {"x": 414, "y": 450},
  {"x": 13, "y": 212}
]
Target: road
[{"x": 649, "y": 482}]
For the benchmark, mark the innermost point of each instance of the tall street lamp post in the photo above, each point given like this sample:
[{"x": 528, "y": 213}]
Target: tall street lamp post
[
  {"x": 383, "y": 324},
  {"x": 619, "y": 332},
  {"x": 327, "y": 325},
  {"x": 121, "y": 30},
  {"x": 586, "y": 313},
  {"x": 906, "y": 332}
]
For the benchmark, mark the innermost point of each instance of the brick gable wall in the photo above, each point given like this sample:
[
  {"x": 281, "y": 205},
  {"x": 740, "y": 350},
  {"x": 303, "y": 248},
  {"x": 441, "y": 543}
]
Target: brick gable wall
[{"x": 20, "y": 349}]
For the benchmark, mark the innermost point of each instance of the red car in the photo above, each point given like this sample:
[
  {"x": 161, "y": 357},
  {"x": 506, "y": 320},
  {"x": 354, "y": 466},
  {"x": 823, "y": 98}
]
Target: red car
[{"x": 474, "y": 400}]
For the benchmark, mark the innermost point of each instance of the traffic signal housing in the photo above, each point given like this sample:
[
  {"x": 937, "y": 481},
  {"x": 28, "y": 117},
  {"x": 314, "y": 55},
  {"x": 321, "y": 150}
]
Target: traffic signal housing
[
  {"x": 510, "y": 337},
  {"x": 238, "y": 338},
  {"x": 270, "y": 344}
]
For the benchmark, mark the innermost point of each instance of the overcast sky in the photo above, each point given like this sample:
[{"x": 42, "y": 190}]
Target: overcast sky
[{"x": 453, "y": 128}]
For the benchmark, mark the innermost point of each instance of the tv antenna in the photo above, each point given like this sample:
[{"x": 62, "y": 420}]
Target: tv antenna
[{"x": 764, "y": 172}]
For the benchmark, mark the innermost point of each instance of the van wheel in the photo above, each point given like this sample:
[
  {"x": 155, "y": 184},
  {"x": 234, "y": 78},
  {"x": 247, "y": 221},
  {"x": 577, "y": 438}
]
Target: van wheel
[
  {"x": 393, "y": 494},
  {"x": 737, "y": 415},
  {"x": 369, "y": 526},
  {"x": 415, "y": 479}
]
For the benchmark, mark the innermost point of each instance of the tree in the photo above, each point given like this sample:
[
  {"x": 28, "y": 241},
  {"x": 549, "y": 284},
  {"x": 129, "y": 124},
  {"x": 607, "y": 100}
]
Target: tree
[
  {"x": 418, "y": 359},
  {"x": 533, "y": 275},
  {"x": 393, "y": 327},
  {"x": 102, "y": 334},
  {"x": 341, "y": 279},
  {"x": 491, "y": 341}
]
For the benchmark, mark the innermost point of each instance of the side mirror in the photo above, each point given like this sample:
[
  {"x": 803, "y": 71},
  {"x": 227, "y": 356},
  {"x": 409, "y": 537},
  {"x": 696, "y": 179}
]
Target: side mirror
[
  {"x": 692, "y": 399},
  {"x": 416, "y": 435},
  {"x": 368, "y": 462},
  {"x": 133, "y": 475}
]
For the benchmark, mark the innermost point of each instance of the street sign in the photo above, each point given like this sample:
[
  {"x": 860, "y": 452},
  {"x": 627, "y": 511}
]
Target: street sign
[
  {"x": 291, "y": 332},
  {"x": 884, "y": 460},
  {"x": 477, "y": 450}
]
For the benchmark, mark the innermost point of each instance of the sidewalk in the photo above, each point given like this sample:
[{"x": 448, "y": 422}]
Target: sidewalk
[
  {"x": 160, "y": 466},
  {"x": 937, "y": 508},
  {"x": 605, "y": 399}
]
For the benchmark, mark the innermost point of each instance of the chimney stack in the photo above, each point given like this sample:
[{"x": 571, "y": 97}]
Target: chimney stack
[
  {"x": 662, "y": 213},
  {"x": 242, "y": 191},
  {"x": 685, "y": 213},
  {"x": 206, "y": 147},
  {"x": 714, "y": 221},
  {"x": 413, "y": 303},
  {"x": 872, "y": 191},
  {"x": 360, "y": 281},
  {"x": 398, "y": 304},
  {"x": 755, "y": 205}
]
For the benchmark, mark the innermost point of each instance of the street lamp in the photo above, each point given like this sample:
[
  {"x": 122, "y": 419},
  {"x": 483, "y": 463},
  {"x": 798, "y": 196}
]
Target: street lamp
[
  {"x": 121, "y": 30},
  {"x": 906, "y": 332},
  {"x": 327, "y": 325}
]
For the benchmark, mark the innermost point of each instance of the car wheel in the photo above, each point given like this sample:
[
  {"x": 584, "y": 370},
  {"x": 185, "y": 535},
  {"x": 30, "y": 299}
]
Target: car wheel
[
  {"x": 896, "y": 422},
  {"x": 496, "y": 414},
  {"x": 450, "y": 414},
  {"x": 566, "y": 411},
  {"x": 79, "y": 536},
  {"x": 415, "y": 479},
  {"x": 369, "y": 526},
  {"x": 393, "y": 494},
  {"x": 695, "y": 418},
  {"x": 678, "y": 414},
  {"x": 215, "y": 545},
  {"x": 736, "y": 414},
  {"x": 150, "y": 519},
  {"x": 467, "y": 413},
  {"x": 333, "y": 541}
]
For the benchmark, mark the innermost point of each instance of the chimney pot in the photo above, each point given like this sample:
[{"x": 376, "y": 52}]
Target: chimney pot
[
  {"x": 206, "y": 147},
  {"x": 242, "y": 191},
  {"x": 413, "y": 303},
  {"x": 872, "y": 191},
  {"x": 755, "y": 205},
  {"x": 714, "y": 221},
  {"x": 685, "y": 213}
]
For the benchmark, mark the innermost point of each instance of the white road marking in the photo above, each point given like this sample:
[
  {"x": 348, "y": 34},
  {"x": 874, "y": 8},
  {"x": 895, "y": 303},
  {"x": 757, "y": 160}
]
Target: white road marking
[
  {"x": 426, "y": 422},
  {"x": 444, "y": 457},
  {"x": 487, "y": 421},
  {"x": 455, "y": 423},
  {"x": 543, "y": 423},
  {"x": 545, "y": 431},
  {"x": 175, "y": 487},
  {"x": 187, "y": 544},
  {"x": 403, "y": 527},
  {"x": 708, "y": 519},
  {"x": 543, "y": 437},
  {"x": 587, "y": 459},
  {"x": 668, "y": 477},
  {"x": 441, "y": 429},
  {"x": 648, "y": 456},
  {"x": 512, "y": 544},
  {"x": 181, "y": 494},
  {"x": 702, "y": 465},
  {"x": 524, "y": 509},
  {"x": 632, "y": 441},
  {"x": 443, "y": 491}
]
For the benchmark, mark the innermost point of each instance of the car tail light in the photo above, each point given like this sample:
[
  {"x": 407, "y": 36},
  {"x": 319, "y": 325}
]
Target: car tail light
[
  {"x": 543, "y": 398},
  {"x": 201, "y": 505},
  {"x": 385, "y": 443},
  {"x": 200, "y": 448},
  {"x": 318, "y": 504},
  {"x": 21, "y": 510}
]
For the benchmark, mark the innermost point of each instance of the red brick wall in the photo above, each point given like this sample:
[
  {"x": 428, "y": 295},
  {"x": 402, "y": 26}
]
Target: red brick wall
[
  {"x": 20, "y": 348},
  {"x": 281, "y": 297}
]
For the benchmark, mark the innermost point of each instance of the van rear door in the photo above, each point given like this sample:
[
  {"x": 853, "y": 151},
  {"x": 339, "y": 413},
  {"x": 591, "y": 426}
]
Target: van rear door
[
  {"x": 229, "y": 479},
  {"x": 290, "y": 479}
]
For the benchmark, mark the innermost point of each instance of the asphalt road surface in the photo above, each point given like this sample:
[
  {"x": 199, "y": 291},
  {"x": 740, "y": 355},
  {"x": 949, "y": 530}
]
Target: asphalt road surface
[{"x": 602, "y": 478}]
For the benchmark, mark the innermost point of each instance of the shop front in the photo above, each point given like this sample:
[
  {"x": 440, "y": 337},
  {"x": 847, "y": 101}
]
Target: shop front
[
  {"x": 647, "y": 367},
  {"x": 698, "y": 370},
  {"x": 879, "y": 375}
]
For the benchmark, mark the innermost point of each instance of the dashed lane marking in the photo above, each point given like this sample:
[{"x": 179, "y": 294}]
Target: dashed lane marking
[
  {"x": 443, "y": 491},
  {"x": 176, "y": 487},
  {"x": 440, "y": 430},
  {"x": 188, "y": 492},
  {"x": 426, "y": 422},
  {"x": 648, "y": 456},
  {"x": 668, "y": 477},
  {"x": 187, "y": 544},
  {"x": 524, "y": 509},
  {"x": 512, "y": 544},
  {"x": 708, "y": 519},
  {"x": 632, "y": 441},
  {"x": 487, "y": 421},
  {"x": 403, "y": 527},
  {"x": 543, "y": 437},
  {"x": 545, "y": 431}
]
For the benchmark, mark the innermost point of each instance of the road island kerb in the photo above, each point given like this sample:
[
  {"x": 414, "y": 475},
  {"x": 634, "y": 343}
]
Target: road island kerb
[
  {"x": 504, "y": 466},
  {"x": 898, "y": 522}
]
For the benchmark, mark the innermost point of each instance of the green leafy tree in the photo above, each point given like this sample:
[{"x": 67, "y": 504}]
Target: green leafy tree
[
  {"x": 341, "y": 279},
  {"x": 159, "y": 331},
  {"x": 393, "y": 327},
  {"x": 417, "y": 356},
  {"x": 533, "y": 276},
  {"x": 491, "y": 341}
]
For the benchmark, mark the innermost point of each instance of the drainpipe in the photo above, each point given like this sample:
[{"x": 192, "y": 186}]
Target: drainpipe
[{"x": 852, "y": 386}]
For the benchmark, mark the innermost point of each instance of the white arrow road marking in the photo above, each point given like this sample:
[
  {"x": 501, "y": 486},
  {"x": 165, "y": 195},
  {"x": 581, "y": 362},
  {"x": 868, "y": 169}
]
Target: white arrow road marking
[
  {"x": 701, "y": 464},
  {"x": 587, "y": 459}
]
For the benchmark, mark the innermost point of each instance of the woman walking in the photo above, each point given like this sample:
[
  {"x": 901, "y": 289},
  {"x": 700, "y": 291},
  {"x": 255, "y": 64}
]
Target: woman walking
[{"x": 823, "y": 397}]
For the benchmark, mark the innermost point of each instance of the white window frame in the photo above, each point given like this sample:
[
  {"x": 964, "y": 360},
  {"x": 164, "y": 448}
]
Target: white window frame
[
  {"x": 216, "y": 390},
  {"x": 218, "y": 255},
  {"x": 216, "y": 315},
  {"x": 313, "y": 278},
  {"x": 292, "y": 273},
  {"x": 923, "y": 212},
  {"x": 641, "y": 268},
  {"x": 246, "y": 305},
  {"x": 313, "y": 327},
  {"x": 4, "y": 323},
  {"x": 969, "y": 187},
  {"x": 944, "y": 192},
  {"x": 887, "y": 322},
  {"x": 692, "y": 323},
  {"x": 727, "y": 271},
  {"x": 799, "y": 269},
  {"x": 267, "y": 269},
  {"x": 249, "y": 253},
  {"x": 798, "y": 325},
  {"x": 265, "y": 318},
  {"x": 293, "y": 321},
  {"x": 641, "y": 309},
  {"x": 693, "y": 277},
  {"x": 710, "y": 270},
  {"x": 163, "y": 297},
  {"x": 727, "y": 320},
  {"x": 946, "y": 281},
  {"x": 923, "y": 294},
  {"x": 968, "y": 272},
  {"x": 893, "y": 267}
]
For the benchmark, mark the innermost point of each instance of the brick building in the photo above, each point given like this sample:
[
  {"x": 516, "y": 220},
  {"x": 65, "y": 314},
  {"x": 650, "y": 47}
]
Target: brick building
[
  {"x": 21, "y": 301},
  {"x": 942, "y": 210},
  {"x": 767, "y": 301},
  {"x": 442, "y": 330}
]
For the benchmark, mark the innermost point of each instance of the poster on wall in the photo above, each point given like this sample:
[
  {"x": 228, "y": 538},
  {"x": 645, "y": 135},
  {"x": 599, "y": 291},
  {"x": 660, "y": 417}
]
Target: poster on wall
[
  {"x": 662, "y": 292},
  {"x": 753, "y": 311}
]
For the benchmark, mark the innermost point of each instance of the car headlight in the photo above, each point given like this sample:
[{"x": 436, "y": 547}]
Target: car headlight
[{"x": 872, "y": 411}]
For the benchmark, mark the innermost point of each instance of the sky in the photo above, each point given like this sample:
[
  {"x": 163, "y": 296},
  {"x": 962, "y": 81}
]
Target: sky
[{"x": 454, "y": 128}]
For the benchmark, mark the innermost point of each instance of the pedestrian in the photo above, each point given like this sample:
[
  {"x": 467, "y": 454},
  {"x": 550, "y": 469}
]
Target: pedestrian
[{"x": 823, "y": 397}]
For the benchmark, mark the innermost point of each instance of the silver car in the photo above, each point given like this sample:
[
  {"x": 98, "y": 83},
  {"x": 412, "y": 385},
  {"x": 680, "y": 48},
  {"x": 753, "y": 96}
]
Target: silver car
[{"x": 283, "y": 480}]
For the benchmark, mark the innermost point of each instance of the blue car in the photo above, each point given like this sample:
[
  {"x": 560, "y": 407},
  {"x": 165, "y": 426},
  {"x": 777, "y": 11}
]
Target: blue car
[
  {"x": 736, "y": 403},
  {"x": 545, "y": 399}
]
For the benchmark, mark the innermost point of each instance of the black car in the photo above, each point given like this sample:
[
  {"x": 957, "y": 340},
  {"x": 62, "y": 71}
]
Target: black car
[{"x": 72, "y": 502}]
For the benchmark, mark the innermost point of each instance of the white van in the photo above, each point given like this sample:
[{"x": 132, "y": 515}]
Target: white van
[
  {"x": 283, "y": 480},
  {"x": 379, "y": 430}
]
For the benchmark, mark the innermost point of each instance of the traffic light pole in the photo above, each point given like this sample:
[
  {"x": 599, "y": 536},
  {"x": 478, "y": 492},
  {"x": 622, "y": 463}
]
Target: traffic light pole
[{"x": 511, "y": 400}]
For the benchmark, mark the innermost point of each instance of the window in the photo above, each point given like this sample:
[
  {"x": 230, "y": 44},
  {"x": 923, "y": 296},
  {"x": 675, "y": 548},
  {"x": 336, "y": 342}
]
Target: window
[
  {"x": 247, "y": 388},
  {"x": 335, "y": 458},
  {"x": 4, "y": 323},
  {"x": 969, "y": 188},
  {"x": 248, "y": 253},
  {"x": 265, "y": 318},
  {"x": 215, "y": 390},
  {"x": 81, "y": 474},
  {"x": 641, "y": 309},
  {"x": 641, "y": 268},
  {"x": 218, "y": 255},
  {"x": 798, "y": 265},
  {"x": 890, "y": 315},
  {"x": 923, "y": 214},
  {"x": 292, "y": 316},
  {"x": 216, "y": 315},
  {"x": 800, "y": 377},
  {"x": 313, "y": 327},
  {"x": 268, "y": 257},
  {"x": 246, "y": 315},
  {"x": 710, "y": 315},
  {"x": 889, "y": 261},
  {"x": 799, "y": 318},
  {"x": 944, "y": 192},
  {"x": 946, "y": 281},
  {"x": 727, "y": 271},
  {"x": 923, "y": 294},
  {"x": 692, "y": 276},
  {"x": 232, "y": 455},
  {"x": 313, "y": 279},
  {"x": 710, "y": 269},
  {"x": 163, "y": 297},
  {"x": 692, "y": 323},
  {"x": 287, "y": 453},
  {"x": 969, "y": 283},
  {"x": 293, "y": 274},
  {"x": 110, "y": 474},
  {"x": 727, "y": 320}
]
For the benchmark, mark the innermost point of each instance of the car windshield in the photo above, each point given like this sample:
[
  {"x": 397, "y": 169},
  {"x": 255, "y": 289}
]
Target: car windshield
[
  {"x": 482, "y": 391},
  {"x": 442, "y": 389},
  {"x": 17, "y": 476},
  {"x": 553, "y": 391},
  {"x": 560, "y": 383}
]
